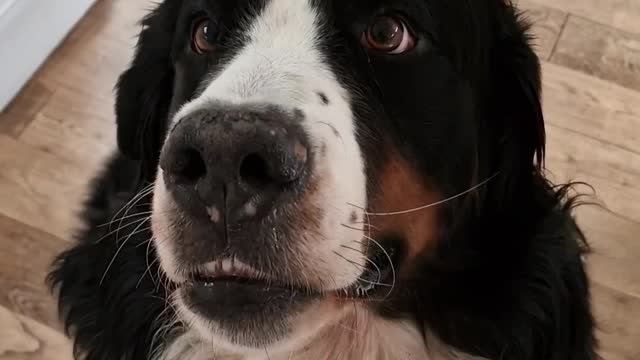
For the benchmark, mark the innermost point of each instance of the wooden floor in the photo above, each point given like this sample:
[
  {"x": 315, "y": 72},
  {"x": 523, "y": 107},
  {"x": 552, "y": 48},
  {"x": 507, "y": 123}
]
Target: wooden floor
[{"x": 54, "y": 135}]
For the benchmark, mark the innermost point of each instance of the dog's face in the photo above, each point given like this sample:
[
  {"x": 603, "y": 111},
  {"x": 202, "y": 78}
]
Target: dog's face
[{"x": 307, "y": 149}]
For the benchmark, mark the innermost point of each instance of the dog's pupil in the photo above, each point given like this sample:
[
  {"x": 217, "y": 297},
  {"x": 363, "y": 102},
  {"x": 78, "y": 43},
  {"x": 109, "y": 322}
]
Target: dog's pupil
[{"x": 385, "y": 30}]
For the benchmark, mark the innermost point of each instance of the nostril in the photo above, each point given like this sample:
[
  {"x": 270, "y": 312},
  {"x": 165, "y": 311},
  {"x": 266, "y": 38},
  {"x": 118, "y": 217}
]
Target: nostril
[
  {"x": 254, "y": 171},
  {"x": 188, "y": 166}
]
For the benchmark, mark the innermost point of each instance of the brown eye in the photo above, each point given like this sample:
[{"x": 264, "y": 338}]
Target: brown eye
[
  {"x": 389, "y": 34},
  {"x": 203, "y": 36}
]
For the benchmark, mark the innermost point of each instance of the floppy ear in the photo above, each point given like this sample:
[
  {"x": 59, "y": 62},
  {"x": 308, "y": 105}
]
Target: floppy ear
[
  {"x": 144, "y": 91},
  {"x": 516, "y": 102}
]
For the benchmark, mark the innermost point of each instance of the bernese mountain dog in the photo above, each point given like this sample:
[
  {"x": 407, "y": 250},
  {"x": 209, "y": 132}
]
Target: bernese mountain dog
[{"x": 327, "y": 180}]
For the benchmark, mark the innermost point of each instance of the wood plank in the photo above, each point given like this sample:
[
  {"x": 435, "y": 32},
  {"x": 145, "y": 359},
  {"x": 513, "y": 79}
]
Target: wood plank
[
  {"x": 23, "y": 270},
  {"x": 24, "y": 108},
  {"x": 547, "y": 25},
  {"x": 622, "y": 14},
  {"x": 612, "y": 171},
  {"x": 80, "y": 115},
  {"x": 617, "y": 316},
  {"x": 22, "y": 338},
  {"x": 72, "y": 123},
  {"x": 615, "y": 249},
  {"x": 598, "y": 50},
  {"x": 40, "y": 189},
  {"x": 98, "y": 49},
  {"x": 596, "y": 108}
]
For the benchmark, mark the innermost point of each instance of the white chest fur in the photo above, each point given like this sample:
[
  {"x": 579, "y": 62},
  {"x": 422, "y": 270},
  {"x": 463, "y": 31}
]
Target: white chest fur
[{"x": 360, "y": 335}]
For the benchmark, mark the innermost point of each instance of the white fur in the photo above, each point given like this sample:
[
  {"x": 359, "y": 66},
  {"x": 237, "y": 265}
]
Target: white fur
[
  {"x": 358, "y": 335},
  {"x": 282, "y": 65}
]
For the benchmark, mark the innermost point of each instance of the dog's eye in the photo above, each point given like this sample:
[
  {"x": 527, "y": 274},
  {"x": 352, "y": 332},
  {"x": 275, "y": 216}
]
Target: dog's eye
[
  {"x": 389, "y": 34},
  {"x": 203, "y": 36}
]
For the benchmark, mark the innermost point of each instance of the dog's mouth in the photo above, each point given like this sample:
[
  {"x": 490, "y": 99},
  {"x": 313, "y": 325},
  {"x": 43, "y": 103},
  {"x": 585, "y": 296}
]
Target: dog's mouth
[
  {"x": 232, "y": 292},
  {"x": 226, "y": 271},
  {"x": 377, "y": 277},
  {"x": 231, "y": 282},
  {"x": 240, "y": 299}
]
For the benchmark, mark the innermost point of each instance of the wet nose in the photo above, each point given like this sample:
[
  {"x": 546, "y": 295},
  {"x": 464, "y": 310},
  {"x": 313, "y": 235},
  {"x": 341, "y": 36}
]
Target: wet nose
[{"x": 234, "y": 163}]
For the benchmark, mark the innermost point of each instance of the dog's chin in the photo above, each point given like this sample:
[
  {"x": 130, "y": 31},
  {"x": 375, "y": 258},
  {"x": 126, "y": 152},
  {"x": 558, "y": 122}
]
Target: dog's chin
[{"x": 247, "y": 313}]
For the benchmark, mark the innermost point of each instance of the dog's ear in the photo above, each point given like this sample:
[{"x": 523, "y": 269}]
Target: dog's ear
[
  {"x": 144, "y": 91},
  {"x": 516, "y": 101}
]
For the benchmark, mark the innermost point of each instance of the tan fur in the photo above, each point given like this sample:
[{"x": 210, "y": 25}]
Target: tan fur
[{"x": 401, "y": 188}]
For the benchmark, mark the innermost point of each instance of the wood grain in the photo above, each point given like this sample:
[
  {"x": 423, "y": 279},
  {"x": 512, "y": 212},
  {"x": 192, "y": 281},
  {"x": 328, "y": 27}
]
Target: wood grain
[
  {"x": 617, "y": 315},
  {"x": 22, "y": 338},
  {"x": 547, "y": 25},
  {"x": 23, "y": 269},
  {"x": 614, "y": 259},
  {"x": 584, "y": 113},
  {"x": 612, "y": 171},
  {"x": 592, "y": 107},
  {"x": 621, "y": 14},
  {"x": 24, "y": 108},
  {"x": 41, "y": 190},
  {"x": 595, "y": 49},
  {"x": 74, "y": 114},
  {"x": 98, "y": 48}
]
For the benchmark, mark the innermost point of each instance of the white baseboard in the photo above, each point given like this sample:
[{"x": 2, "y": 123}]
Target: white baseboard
[{"x": 29, "y": 31}]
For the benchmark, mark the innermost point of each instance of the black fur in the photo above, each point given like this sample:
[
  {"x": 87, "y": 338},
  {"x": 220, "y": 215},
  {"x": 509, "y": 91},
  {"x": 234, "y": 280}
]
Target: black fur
[
  {"x": 507, "y": 280},
  {"x": 114, "y": 314}
]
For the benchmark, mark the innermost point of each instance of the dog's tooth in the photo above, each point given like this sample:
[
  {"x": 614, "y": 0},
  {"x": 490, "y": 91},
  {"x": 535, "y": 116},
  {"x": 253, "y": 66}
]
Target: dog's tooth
[
  {"x": 210, "y": 267},
  {"x": 227, "y": 267},
  {"x": 244, "y": 268}
]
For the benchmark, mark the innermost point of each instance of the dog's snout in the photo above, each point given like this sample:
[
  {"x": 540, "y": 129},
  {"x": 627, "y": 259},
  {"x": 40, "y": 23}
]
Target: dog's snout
[{"x": 239, "y": 163}]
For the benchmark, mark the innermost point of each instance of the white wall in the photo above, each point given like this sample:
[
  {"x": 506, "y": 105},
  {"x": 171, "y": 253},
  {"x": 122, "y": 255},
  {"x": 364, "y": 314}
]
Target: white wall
[{"x": 29, "y": 31}]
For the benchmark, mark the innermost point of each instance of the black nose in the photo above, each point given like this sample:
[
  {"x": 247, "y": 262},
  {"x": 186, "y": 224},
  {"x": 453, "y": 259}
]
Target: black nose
[{"x": 235, "y": 163}]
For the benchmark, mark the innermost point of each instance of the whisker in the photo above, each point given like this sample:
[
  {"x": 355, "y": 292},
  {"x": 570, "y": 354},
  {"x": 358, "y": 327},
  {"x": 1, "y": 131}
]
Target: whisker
[
  {"x": 404, "y": 212},
  {"x": 354, "y": 249},
  {"x": 369, "y": 227},
  {"x": 352, "y": 227},
  {"x": 365, "y": 224},
  {"x": 136, "y": 232},
  {"x": 131, "y": 223},
  {"x": 149, "y": 265},
  {"x": 365, "y": 269},
  {"x": 140, "y": 196},
  {"x": 118, "y": 252},
  {"x": 350, "y": 261},
  {"x": 368, "y": 260},
  {"x": 393, "y": 268},
  {"x": 124, "y": 218},
  {"x": 143, "y": 192}
]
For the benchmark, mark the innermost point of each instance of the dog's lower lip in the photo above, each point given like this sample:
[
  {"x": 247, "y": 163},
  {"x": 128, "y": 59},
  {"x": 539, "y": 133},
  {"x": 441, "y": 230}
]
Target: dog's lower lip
[
  {"x": 202, "y": 281},
  {"x": 212, "y": 281}
]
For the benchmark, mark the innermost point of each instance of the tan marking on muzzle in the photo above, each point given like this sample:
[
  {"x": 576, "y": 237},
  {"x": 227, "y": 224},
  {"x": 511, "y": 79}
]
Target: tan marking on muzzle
[{"x": 400, "y": 188}]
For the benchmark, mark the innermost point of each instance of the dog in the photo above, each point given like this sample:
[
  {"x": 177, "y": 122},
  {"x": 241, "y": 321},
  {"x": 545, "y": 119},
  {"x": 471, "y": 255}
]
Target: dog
[{"x": 326, "y": 180}]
